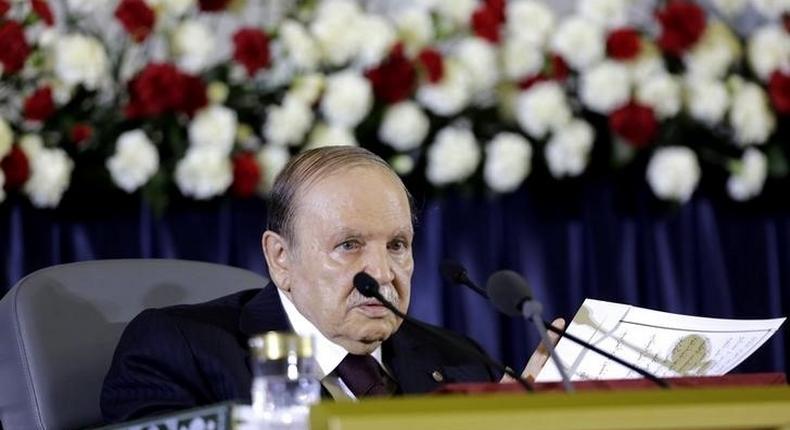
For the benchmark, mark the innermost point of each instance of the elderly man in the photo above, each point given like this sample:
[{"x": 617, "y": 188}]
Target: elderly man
[{"x": 334, "y": 212}]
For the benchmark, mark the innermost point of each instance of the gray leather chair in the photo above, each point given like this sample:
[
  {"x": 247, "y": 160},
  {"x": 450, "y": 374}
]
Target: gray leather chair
[{"x": 59, "y": 327}]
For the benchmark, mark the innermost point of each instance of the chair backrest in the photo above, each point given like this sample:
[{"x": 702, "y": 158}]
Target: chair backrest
[{"x": 59, "y": 327}]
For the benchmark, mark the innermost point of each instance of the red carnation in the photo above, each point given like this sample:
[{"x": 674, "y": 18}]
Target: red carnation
[
  {"x": 528, "y": 82},
  {"x": 137, "y": 18},
  {"x": 497, "y": 7},
  {"x": 246, "y": 174},
  {"x": 39, "y": 105},
  {"x": 251, "y": 49},
  {"x": 635, "y": 123},
  {"x": 431, "y": 61},
  {"x": 213, "y": 5},
  {"x": 15, "y": 48},
  {"x": 41, "y": 8},
  {"x": 194, "y": 95},
  {"x": 162, "y": 88},
  {"x": 623, "y": 44},
  {"x": 558, "y": 68},
  {"x": 485, "y": 24},
  {"x": 779, "y": 91},
  {"x": 80, "y": 133},
  {"x": 394, "y": 79},
  {"x": 682, "y": 24},
  {"x": 15, "y": 168},
  {"x": 786, "y": 21},
  {"x": 4, "y": 7}
]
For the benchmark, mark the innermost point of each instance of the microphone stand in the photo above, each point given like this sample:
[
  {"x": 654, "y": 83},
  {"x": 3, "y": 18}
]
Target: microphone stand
[{"x": 532, "y": 309}]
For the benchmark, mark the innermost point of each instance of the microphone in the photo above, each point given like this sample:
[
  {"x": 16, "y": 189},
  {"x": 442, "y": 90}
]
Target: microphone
[
  {"x": 510, "y": 294},
  {"x": 656, "y": 380},
  {"x": 369, "y": 287},
  {"x": 454, "y": 273}
]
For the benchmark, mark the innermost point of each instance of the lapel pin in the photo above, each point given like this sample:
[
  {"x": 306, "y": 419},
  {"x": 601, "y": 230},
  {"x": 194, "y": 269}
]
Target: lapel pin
[{"x": 437, "y": 376}]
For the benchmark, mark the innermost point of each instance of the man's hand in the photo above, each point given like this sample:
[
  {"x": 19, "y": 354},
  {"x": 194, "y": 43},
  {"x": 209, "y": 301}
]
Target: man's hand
[{"x": 539, "y": 357}]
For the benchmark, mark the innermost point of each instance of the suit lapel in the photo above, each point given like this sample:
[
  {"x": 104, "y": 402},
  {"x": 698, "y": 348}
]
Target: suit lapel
[
  {"x": 413, "y": 361},
  {"x": 263, "y": 313}
]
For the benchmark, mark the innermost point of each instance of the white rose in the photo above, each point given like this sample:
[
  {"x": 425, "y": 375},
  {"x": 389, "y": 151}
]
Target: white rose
[
  {"x": 2, "y": 185},
  {"x": 135, "y": 160},
  {"x": 6, "y": 138},
  {"x": 521, "y": 58},
  {"x": 605, "y": 87},
  {"x": 508, "y": 162},
  {"x": 272, "y": 159},
  {"x": 662, "y": 93},
  {"x": 451, "y": 94},
  {"x": 714, "y": 53},
  {"x": 377, "y": 37},
  {"x": 330, "y": 135},
  {"x": 772, "y": 9},
  {"x": 568, "y": 151},
  {"x": 80, "y": 59},
  {"x": 542, "y": 108},
  {"x": 335, "y": 29},
  {"x": 479, "y": 58},
  {"x": 193, "y": 45},
  {"x": 730, "y": 8},
  {"x": 203, "y": 173},
  {"x": 706, "y": 100},
  {"x": 404, "y": 126},
  {"x": 453, "y": 157},
  {"x": 609, "y": 14},
  {"x": 347, "y": 99},
  {"x": 750, "y": 115},
  {"x": 579, "y": 42},
  {"x": 50, "y": 175},
  {"x": 214, "y": 127},
  {"x": 673, "y": 173},
  {"x": 415, "y": 28},
  {"x": 529, "y": 20},
  {"x": 748, "y": 175},
  {"x": 287, "y": 124},
  {"x": 301, "y": 50},
  {"x": 307, "y": 88},
  {"x": 769, "y": 50}
]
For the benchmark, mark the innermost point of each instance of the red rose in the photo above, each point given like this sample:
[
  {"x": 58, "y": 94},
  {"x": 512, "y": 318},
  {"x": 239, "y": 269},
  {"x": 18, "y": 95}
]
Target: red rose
[
  {"x": 779, "y": 91},
  {"x": 41, "y": 8},
  {"x": 394, "y": 79},
  {"x": 497, "y": 7},
  {"x": 15, "y": 168},
  {"x": 80, "y": 133},
  {"x": 251, "y": 49},
  {"x": 137, "y": 18},
  {"x": 39, "y": 105},
  {"x": 162, "y": 88},
  {"x": 4, "y": 7},
  {"x": 623, "y": 44},
  {"x": 431, "y": 61},
  {"x": 246, "y": 174},
  {"x": 635, "y": 123},
  {"x": 15, "y": 48},
  {"x": 485, "y": 24},
  {"x": 682, "y": 24},
  {"x": 194, "y": 96},
  {"x": 213, "y": 5}
]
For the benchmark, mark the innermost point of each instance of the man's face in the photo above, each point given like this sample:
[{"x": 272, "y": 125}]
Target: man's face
[{"x": 354, "y": 220}]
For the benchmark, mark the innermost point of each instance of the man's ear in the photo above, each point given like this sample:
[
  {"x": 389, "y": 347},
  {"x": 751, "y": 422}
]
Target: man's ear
[{"x": 275, "y": 249}]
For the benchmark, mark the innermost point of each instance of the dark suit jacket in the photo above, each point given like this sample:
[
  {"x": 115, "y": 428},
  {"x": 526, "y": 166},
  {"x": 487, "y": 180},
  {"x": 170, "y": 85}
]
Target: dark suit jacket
[{"x": 192, "y": 355}]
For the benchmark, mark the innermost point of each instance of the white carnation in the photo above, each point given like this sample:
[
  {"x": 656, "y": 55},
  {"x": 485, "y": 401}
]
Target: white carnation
[
  {"x": 330, "y": 135},
  {"x": 272, "y": 159},
  {"x": 521, "y": 58},
  {"x": 568, "y": 151},
  {"x": 748, "y": 176},
  {"x": 287, "y": 124},
  {"x": 347, "y": 99},
  {"x": 203, "y": 173},
  {"x": 135, "y": 160},
  {"x": 609, "y": 14},
  {"x": 301, "y": 50},
  {"x": 508, "y": 162},
  {"x": 542, "y": 108},
  {"x": 453, "y": 157},
  {"x": 80, "y": 59},
  {"x": 479, "y": 58},
  {"x": 415, "y": 28},
  {"x": 308, "y": 88},
  {"x": 772, "y": 9},
  {"x": 31, "y": 144},
  {"x": 451, "y": 94},
  {"x": 50, "y": 176},
  {"x": 377, "y": 37},
  {"x": 529, "y": 20},
  {"x": 214, "y": 127},
  {"x": 457, "y": 12},
  {"x": 6, "y": 138},
  {"x": 404, "y": 126},
  {"x": 82, "y": 7},
  {"x": 706, "y": 100},
  {"x": 646, "y": 65},
  {"x": 605, "y": 87},
  {"x": 750, "y": 115},
  {"x": 193, "y": 45},
  {"x": 662, "y": 93},
  {"x": 336, "y": 30},
  {"x": 730, "y": 8},
  {"x": 714, "y": 53},
  {"x": 673, "y": 173},
  {"x": 769, "y": 50},
  {"x": 171, "y": 8},
  {"x": 402, "y": 164},
  {"x": 579, "y": 42}
]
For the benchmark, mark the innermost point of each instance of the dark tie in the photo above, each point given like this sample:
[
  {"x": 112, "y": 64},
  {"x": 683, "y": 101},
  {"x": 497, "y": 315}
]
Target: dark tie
[{"x": 363, "y": 375}]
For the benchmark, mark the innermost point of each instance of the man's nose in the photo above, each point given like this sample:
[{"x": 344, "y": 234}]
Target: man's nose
[{"x": 379, "y": 266}]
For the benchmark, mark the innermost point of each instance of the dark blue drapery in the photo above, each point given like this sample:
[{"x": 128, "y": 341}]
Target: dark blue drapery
[{"x": 705, "y": 258}]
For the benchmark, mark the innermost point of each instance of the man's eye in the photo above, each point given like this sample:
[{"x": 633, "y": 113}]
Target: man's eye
[
  {"x": 398, "y": 245},
  {"x": 349, "y": 245}
]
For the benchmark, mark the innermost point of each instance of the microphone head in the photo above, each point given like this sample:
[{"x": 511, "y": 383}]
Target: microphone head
[
  {"x": 508, "y": 291},
  {"x": 366, "y": 285},
  {"x": 452, "y": 271}
]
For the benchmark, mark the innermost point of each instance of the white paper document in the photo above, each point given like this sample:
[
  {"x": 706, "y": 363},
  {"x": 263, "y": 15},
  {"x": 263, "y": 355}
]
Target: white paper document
[{"x": 665, "y": 344}]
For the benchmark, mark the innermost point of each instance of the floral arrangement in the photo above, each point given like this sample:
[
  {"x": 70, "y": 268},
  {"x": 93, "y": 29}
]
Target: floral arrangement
[{"x": 207, "y": 98}]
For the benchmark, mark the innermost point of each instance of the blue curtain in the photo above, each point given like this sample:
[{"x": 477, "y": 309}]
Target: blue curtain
[{"x": 708, "y": 257}]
